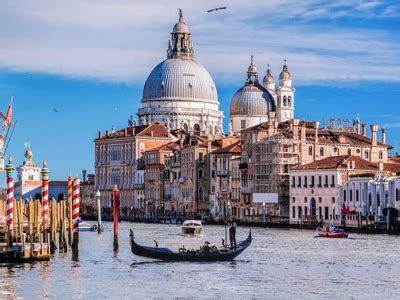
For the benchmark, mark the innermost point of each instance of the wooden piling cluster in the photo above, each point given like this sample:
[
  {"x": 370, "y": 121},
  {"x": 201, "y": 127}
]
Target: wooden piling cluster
[{"x": 38, "y": 228}]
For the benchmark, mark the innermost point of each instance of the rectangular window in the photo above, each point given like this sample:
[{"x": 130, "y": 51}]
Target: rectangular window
[
  {"x": 305, "y": 211},
  {"x": 300, "y": 212},
  {"x": 299, "y": 181},
  {"x": 326, "y": 212},
  {"x": 326, "y": 181},
  {"x": 293, "y": 181},
  {"x": 293, "y": 199},
  {"x": 305, "y": 199},
  {"x": 319, "y": 199},
  {"x": 305, "y": 181},
  {"x": 312, "y": 182},
  {"x": 243, "y": 124},
  {"x": 333, "y": 181},
  {"x": 293, "y": 211},
  {"x": 319, "y": 181}
]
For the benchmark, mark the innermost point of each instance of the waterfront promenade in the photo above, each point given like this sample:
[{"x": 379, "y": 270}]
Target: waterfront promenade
[{"x": 279, "y": 264}]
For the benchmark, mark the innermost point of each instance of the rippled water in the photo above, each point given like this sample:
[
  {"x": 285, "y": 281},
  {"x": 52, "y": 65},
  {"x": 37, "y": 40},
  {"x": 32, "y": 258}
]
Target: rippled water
[{"x": 279, "y": 264}]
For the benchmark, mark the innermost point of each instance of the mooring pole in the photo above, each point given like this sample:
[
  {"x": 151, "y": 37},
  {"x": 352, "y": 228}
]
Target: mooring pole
[
  {"x": 45, "y": 200},
  {"x": 116, "y": 216},
  {"x": 75, "y": 216},
  {"x": 10, "y": 200},
  {"x": 70, "y": 184},
  {"x": 98, "y": 212}
]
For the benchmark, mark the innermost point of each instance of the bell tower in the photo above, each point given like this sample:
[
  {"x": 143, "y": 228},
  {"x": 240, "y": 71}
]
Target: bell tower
[{"x": 285, "y": 96}]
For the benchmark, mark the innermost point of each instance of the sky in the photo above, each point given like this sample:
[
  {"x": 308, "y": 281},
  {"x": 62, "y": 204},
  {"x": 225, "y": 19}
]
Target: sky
[{"x": 89, "y": 61}]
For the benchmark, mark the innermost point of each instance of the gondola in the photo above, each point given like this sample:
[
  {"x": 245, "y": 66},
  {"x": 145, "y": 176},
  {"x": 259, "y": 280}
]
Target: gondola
[{"x": 183, "y": 255}]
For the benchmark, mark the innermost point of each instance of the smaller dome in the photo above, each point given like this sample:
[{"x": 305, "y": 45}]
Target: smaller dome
[
  {"x": 251, "y": 100},
  {"x": 268, "y": 78},
  {"x": 285, "y": 74},
  {"x": 181, "y": 27}
]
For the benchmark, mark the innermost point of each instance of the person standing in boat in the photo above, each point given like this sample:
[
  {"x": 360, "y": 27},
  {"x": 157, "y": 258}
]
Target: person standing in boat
[{"x": 232, "y": 233}]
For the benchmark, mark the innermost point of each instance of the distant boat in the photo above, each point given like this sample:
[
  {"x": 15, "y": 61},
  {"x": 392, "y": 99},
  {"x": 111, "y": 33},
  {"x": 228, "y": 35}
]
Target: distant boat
[
  {"x": 84, "y": 226},
  {"x": 332, "y": 232},
  {"x": 191, "y": 227},
  {"x": 208, "y": 254}
]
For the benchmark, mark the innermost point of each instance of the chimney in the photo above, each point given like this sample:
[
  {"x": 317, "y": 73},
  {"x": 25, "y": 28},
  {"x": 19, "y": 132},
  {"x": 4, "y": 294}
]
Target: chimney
[
  {"x": 353, "y": 164},
  {"x": 99, "y": 135},
  {"x": 364, "y": 129},
  {"x": 316, "y": 126},
  {"x": 151, "y": 133},
  {"x": 348, "y": 165},
  {"x": 126, "y": 132},
  {"x": 295, "y": 129},
  {"x": 303, "y": 131},
  {"x": 107, "y": 133},
  {"x": 374, "y": 129},
  {"x": 383, "y": 135},
  {"x": 83, "y": 175},
  {"x": 380, "y": 166}
]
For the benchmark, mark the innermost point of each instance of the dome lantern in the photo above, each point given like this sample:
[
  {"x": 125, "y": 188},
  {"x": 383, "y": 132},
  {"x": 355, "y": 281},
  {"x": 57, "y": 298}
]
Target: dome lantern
[
  {"x": 269, "y": 81},
  {"x": 180, "y": 45},
  {"x": 285, "y": 78}
]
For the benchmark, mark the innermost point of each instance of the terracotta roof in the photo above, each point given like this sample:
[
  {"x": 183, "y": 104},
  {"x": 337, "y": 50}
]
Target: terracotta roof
[
  {"x": 340, "y": 162},
  {"x": 235, "y": 148},
  {"x": 167, "y": 147},
  {"x": 152, "y": 130}
]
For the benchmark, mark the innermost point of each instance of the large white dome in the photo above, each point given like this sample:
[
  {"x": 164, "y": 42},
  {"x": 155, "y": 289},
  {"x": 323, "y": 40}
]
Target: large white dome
[{"x": 180, "y": 79}]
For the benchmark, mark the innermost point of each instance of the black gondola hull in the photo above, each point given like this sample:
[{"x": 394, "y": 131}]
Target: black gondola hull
[{"x": 168, "y": 255}]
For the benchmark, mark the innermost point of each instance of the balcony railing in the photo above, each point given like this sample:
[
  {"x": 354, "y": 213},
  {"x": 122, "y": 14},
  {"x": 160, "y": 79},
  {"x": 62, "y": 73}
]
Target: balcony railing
[
  {"x": 223, "y": 173},
  {"x": 246, "y": 190}
]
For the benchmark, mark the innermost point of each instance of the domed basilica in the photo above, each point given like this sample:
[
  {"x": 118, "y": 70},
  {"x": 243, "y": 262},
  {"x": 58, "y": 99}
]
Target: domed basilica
[
  {"x": 254, "y": 103},
  {"x": 180, "y": 92}
]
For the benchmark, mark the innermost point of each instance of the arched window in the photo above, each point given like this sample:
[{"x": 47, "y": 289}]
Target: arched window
[
  {"x": 380, "y": 155},
  {"x": 290, "y": 101},
  {"x": 200, "y": 174},
  {"x": 310, "y": 151},
  {"x": 348, "y": 151},
  {"x": 321, "y": 151},
  {"x": 351, "y": 195},
  {"x": 196, "y": 129},
  {"x": 200, "y": 194},
  {"x": 284, "y": 101}
]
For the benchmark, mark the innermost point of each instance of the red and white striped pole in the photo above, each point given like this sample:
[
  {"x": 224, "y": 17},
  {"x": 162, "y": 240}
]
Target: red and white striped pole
[
  {"x": 45, "y": 199},
  {"x": 10, "y": 200},
  {"x": 75, "y": 217},
  {"x": 116, "y": 216}
]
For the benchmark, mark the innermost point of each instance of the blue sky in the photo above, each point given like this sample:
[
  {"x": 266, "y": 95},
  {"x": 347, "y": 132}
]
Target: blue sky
[{"x": 89, "y": 60}]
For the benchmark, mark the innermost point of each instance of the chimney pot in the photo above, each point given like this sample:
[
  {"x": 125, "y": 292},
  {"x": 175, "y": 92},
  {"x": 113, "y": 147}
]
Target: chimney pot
[
  {"x": 107, "y": 133},
  {"x": 99, "y": 135},
  {"x": 383, "y": 135},
  {"x": 374, "y": 129},
  {"x": 364, "y": 129}
]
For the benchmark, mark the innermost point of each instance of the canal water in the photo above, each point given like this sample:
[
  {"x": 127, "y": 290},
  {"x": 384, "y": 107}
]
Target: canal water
[{"x": 280, "y": 264}]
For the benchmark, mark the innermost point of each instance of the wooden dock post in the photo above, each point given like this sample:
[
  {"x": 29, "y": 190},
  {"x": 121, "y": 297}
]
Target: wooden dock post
[
  {"x": 116, "y": 216},
  {"x": 63, "y": 237},
  {"x": 53, "y": 226},
  {"x": 75, "y": 215},
  {"x": 70, "y": 184},
  {"x": 10, "y": 201},
  {"x": 98, "y": 212}
]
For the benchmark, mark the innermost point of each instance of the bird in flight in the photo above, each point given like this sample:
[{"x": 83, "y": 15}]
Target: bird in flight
[
  {"x": 215, "y": 9},
  {"x": 55, "y": 110}
]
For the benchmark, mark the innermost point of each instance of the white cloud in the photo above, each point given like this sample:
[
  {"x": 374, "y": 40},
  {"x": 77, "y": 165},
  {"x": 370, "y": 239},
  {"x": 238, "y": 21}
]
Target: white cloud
[{"x": 122, "y": 40}]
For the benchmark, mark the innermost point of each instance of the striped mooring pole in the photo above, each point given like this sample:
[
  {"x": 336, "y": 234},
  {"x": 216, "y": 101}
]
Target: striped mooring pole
[
  {"x": 45, "y": 200},
  {"x": 116, "y": 216},
  {"x": 70, "y": 187},
  {"x": 10, "y": 200},
  {"x": 75, "y": 217}
]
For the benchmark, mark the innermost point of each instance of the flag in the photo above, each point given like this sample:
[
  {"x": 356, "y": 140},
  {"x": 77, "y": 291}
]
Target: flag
[
  {"x": 7, "y": 119},
  {"x": 345, "y": 210}
]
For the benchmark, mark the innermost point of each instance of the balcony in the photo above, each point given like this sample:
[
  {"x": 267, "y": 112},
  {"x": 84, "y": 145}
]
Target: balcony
[
  {"x": 223, "y": 195},
  {"x": 223, "y": 173},
  {"x": 246, "y": 190}
]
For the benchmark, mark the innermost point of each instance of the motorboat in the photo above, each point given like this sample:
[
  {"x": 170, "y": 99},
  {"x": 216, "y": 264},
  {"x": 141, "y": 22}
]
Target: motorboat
[
  {"x": 85, "y": 226},
  {"x": 205, "y": 254},
  {"x": 191, "y": 227},
  {"x": 332, "y": 232}
]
